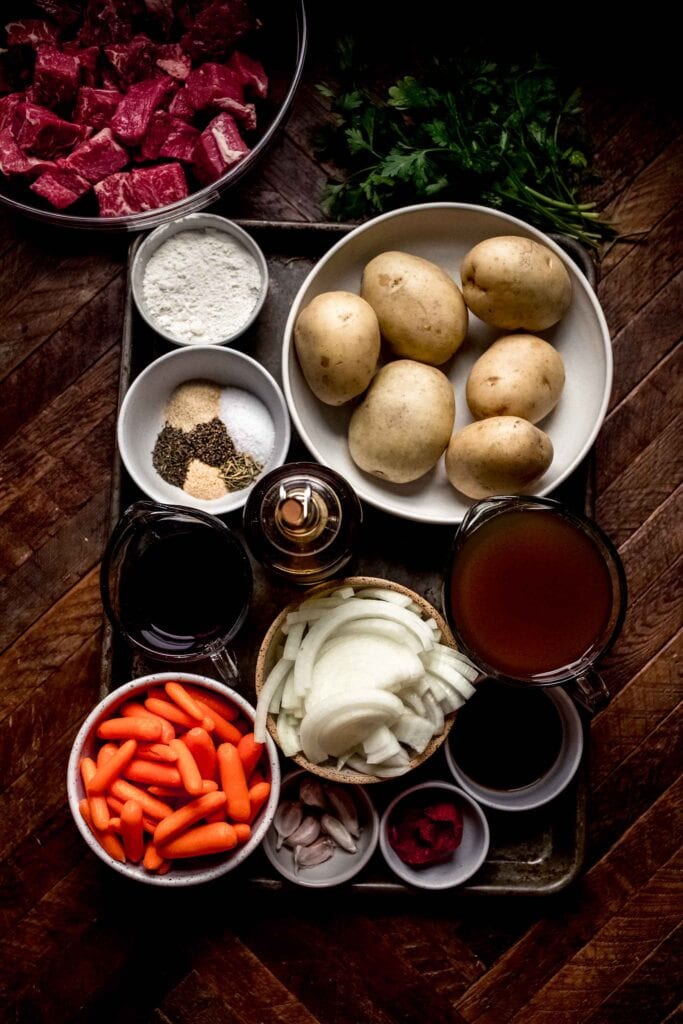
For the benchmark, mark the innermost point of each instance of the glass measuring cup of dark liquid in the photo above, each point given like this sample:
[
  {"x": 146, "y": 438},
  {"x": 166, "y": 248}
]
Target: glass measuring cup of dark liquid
[
  {"x": 176, "y": 583},
  {"x": 535, "y": 594}
]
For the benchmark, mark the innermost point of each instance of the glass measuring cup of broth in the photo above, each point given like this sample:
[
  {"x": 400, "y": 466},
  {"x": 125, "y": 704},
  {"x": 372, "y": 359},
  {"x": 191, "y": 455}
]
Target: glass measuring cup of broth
[
  {"x": 535, "y": 594},
  {"x": 176, "y": 583}
]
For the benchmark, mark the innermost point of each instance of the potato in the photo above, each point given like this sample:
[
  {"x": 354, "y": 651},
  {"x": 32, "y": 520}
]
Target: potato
[
  {"x": 337, "y": 341},
  {"x": 421, "y": 311},
  {"x": 519, "y": 375},
  {"x": 402, "y": 426},
  {"x": 501, "y": 455},
  {"x": 514, "y": 283}
]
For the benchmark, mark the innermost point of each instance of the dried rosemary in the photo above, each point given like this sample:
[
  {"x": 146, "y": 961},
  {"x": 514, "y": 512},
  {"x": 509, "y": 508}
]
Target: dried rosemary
[{"x": 240, "y": 470}]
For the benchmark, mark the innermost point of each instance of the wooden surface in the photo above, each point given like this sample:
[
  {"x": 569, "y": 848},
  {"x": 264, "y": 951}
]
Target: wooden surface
[{"x": 78, "y": 943}]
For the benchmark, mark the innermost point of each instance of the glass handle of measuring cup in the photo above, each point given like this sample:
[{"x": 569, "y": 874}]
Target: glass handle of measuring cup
[
  {"x": 226, "y": 667},
  {"x": 590, "y": 691}
]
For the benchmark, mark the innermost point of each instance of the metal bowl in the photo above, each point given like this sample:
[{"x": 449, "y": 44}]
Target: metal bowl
[{"x": 283, "y": 41}]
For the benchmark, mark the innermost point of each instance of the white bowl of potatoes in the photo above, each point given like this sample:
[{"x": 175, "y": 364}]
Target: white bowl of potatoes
[{"x": 370, "y": 372}]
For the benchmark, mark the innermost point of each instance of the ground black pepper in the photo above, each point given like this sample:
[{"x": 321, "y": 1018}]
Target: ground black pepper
[
  {"x": 210, "y": 442},
  {"x": 171, "y": 456}
]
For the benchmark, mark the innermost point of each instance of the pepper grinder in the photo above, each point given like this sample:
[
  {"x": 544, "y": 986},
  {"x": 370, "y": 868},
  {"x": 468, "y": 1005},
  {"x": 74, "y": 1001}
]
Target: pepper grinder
[{"x": 301, "y": 521}]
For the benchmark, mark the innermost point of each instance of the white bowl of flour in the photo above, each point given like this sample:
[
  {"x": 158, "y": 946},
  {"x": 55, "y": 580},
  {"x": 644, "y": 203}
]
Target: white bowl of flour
[
  {"x": 200, "y": 280},
  {"x": 248, "y": 403}
]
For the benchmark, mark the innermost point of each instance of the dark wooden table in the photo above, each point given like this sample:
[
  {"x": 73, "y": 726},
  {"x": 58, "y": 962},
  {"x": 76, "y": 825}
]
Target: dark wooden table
[{"x": 78, "y": 942}]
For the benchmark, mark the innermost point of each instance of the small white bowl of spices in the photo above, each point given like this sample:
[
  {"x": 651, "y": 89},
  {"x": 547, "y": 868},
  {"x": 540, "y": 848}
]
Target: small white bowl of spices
[
  {"x": 200, "y": 280},
  {"x": 200, "y": 425}
]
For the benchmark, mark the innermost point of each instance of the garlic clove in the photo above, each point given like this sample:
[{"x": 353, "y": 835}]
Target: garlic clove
[
  {"x": 311, "y": 793},
  {"x": 308, "y": 856},
  {"x": 345, "y": 809},
  {"x": 307, "y": 833},
  {"x": 288, "y": 817},
  {"x": 337, "y": 832}
]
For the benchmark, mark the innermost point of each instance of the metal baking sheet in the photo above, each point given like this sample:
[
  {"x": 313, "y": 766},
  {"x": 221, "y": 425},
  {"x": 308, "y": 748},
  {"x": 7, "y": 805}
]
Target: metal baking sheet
[{"x": 533, "y": 853}]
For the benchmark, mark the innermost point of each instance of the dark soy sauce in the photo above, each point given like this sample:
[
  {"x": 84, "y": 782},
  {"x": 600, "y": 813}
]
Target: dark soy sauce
[
  {"x": 506, "y": 737},
  {"x": 182, "y": 588},
  {"x": 530, "y": 594}
]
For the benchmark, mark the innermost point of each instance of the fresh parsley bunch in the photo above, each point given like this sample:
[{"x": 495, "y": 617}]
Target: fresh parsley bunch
[{"x": 464, "y": 129}]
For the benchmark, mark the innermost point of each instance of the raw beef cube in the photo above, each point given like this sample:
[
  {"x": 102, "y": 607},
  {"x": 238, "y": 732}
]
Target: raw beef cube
[
  {"x": 180, "y": 141},
  {"x": 217, "y": 28},
  {"x": 156, "y": 133},
  {"x": 180, "y": 106},
  {"x": 5, "y": 72},
  {"x": 132, "y": 61},
  {"x": 131, "y": 120},
  {"x": 250, "y": 73},
  {"x": 14, "y": 161},
  {"x": 219, "y": 146},
  {"x": 60, "y": 11},
  {"x": 106, "y": 21},
  {"x": 87, "y": 57},
  {"x": 113, "y": 195},
  {"x": 173, "y": 60},
  {"x": 95, "y": 107},
  {"x": 31, "y": 32},
  {"x": 216, "y": 86},
  {"x": 61, "y": 187},
  {"x": 158, "y": 186},
  {"x": 8, "y": 105},
  {"x": 40, "y": 132},
  {"x": 56, "y": 76},
  {"x": 162, "y": 10},
  {"x": 97, "y": 158}
]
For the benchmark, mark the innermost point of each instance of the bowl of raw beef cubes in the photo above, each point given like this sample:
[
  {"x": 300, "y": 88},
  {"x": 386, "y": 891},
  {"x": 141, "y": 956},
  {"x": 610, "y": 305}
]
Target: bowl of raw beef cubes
[{"x": 125, "y": 114}]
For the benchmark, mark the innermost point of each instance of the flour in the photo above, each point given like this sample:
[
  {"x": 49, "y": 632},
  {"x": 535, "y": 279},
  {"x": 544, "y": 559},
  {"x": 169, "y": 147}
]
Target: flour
[{"x": 201, "y": 286}]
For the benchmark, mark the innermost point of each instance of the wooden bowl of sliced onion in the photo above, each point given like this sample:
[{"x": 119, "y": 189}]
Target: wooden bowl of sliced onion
[{"x": 360, "y": 680}]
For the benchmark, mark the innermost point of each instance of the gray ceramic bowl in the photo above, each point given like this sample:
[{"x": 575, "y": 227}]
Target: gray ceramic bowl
[
  {"x": 342, "y": 866},
  {"x": 466, "y": 860},
  {"x": 195, "y": 222},
  {"x": 550, "y": 785},
  {"x": 141, "y": 416},
  {"x": 183, "y": 873}
]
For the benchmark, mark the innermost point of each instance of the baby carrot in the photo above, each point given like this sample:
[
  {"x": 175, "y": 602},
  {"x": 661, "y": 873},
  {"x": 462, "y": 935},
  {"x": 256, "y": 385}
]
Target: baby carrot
[
  {"x": 165, "y": 709},
  {"x": 157, "y": 751},
  {"x": 250, "y": 753},
  {"x": 174, "y": 792},
  {"x": 256, "y": 778},
  {"x": 233, "y": 782},
  {"x": 149, "y": 824},
  {"x": 204, "y": 839},
  {"x": 181, "y": 819},
  {"x": 164, "y": 867},
  {"x": 152, "y": 774},
  {"x": 214, "y": 702},
  {"x": 135, "y": 710},
  {"x": 131, "y": 830},
  {"x": 152, "y": 861},
  {"x": 200, "y": 745},
  {"x": 187, "y": 766},
  {"x": 105, "y": 753},
  {"x": 179, "y": 695},
  {"x": 107, "y": 840},
  {"x": 215, "y": 816},
  {"x": 242, "y": 831},
  {"x": 224, "y": 729},
  {"x": 130, "y": 728},
  {"x": 150, "y": 805},
  {"x": 258, "y": 795},
  {"x": 114, "y": 767},
  {"x": 99, "y": 809}
]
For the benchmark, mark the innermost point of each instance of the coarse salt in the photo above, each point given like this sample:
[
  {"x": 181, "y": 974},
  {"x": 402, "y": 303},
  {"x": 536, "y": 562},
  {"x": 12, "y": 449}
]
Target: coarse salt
[{"x": 248, "y": 423}]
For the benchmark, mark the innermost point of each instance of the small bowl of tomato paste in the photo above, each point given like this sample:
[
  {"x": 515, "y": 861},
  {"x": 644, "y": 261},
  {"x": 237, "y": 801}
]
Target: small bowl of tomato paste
[{"x": 434, "y": 836}]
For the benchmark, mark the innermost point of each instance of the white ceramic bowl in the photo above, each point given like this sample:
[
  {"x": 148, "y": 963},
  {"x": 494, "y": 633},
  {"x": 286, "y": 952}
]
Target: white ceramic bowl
[
  {"x": 550, "y": 785},
  {"x": 342, "y": 866},
  {"x": 182, "y": 873},
  {"x": 444, "y": 233},
  {"x": 195, "y": 222},
  {"x": 141, "y": 416},
  {"x": 468, "y": 857}
]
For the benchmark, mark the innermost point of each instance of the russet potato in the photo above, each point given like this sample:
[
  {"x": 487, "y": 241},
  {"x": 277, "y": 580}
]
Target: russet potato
[
  {"x": 501, "y": 455},
  {"x": 402, "y": 426},
  {"x": 421, "y": 312},
  {"x": 519, "y": 375},
  {"x": 515, "y": 283},
  {"x": 337, "y": 341}
]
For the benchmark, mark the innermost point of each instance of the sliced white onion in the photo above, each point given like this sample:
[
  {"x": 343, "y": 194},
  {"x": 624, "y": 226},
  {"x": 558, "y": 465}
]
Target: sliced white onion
[
  {"x": 288, "y": 735},
  {"x": 414, "y": 731},
  {"x": 384, "y": 628},
  {"x": 276, "y": 679},
  {"x": 293, "y": 643},
  {"x": 392, "y": 596}
]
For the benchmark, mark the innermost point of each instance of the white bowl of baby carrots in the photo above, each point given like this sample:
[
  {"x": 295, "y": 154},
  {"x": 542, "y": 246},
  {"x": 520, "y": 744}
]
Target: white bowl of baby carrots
[{"x": 166, "y": 784}]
